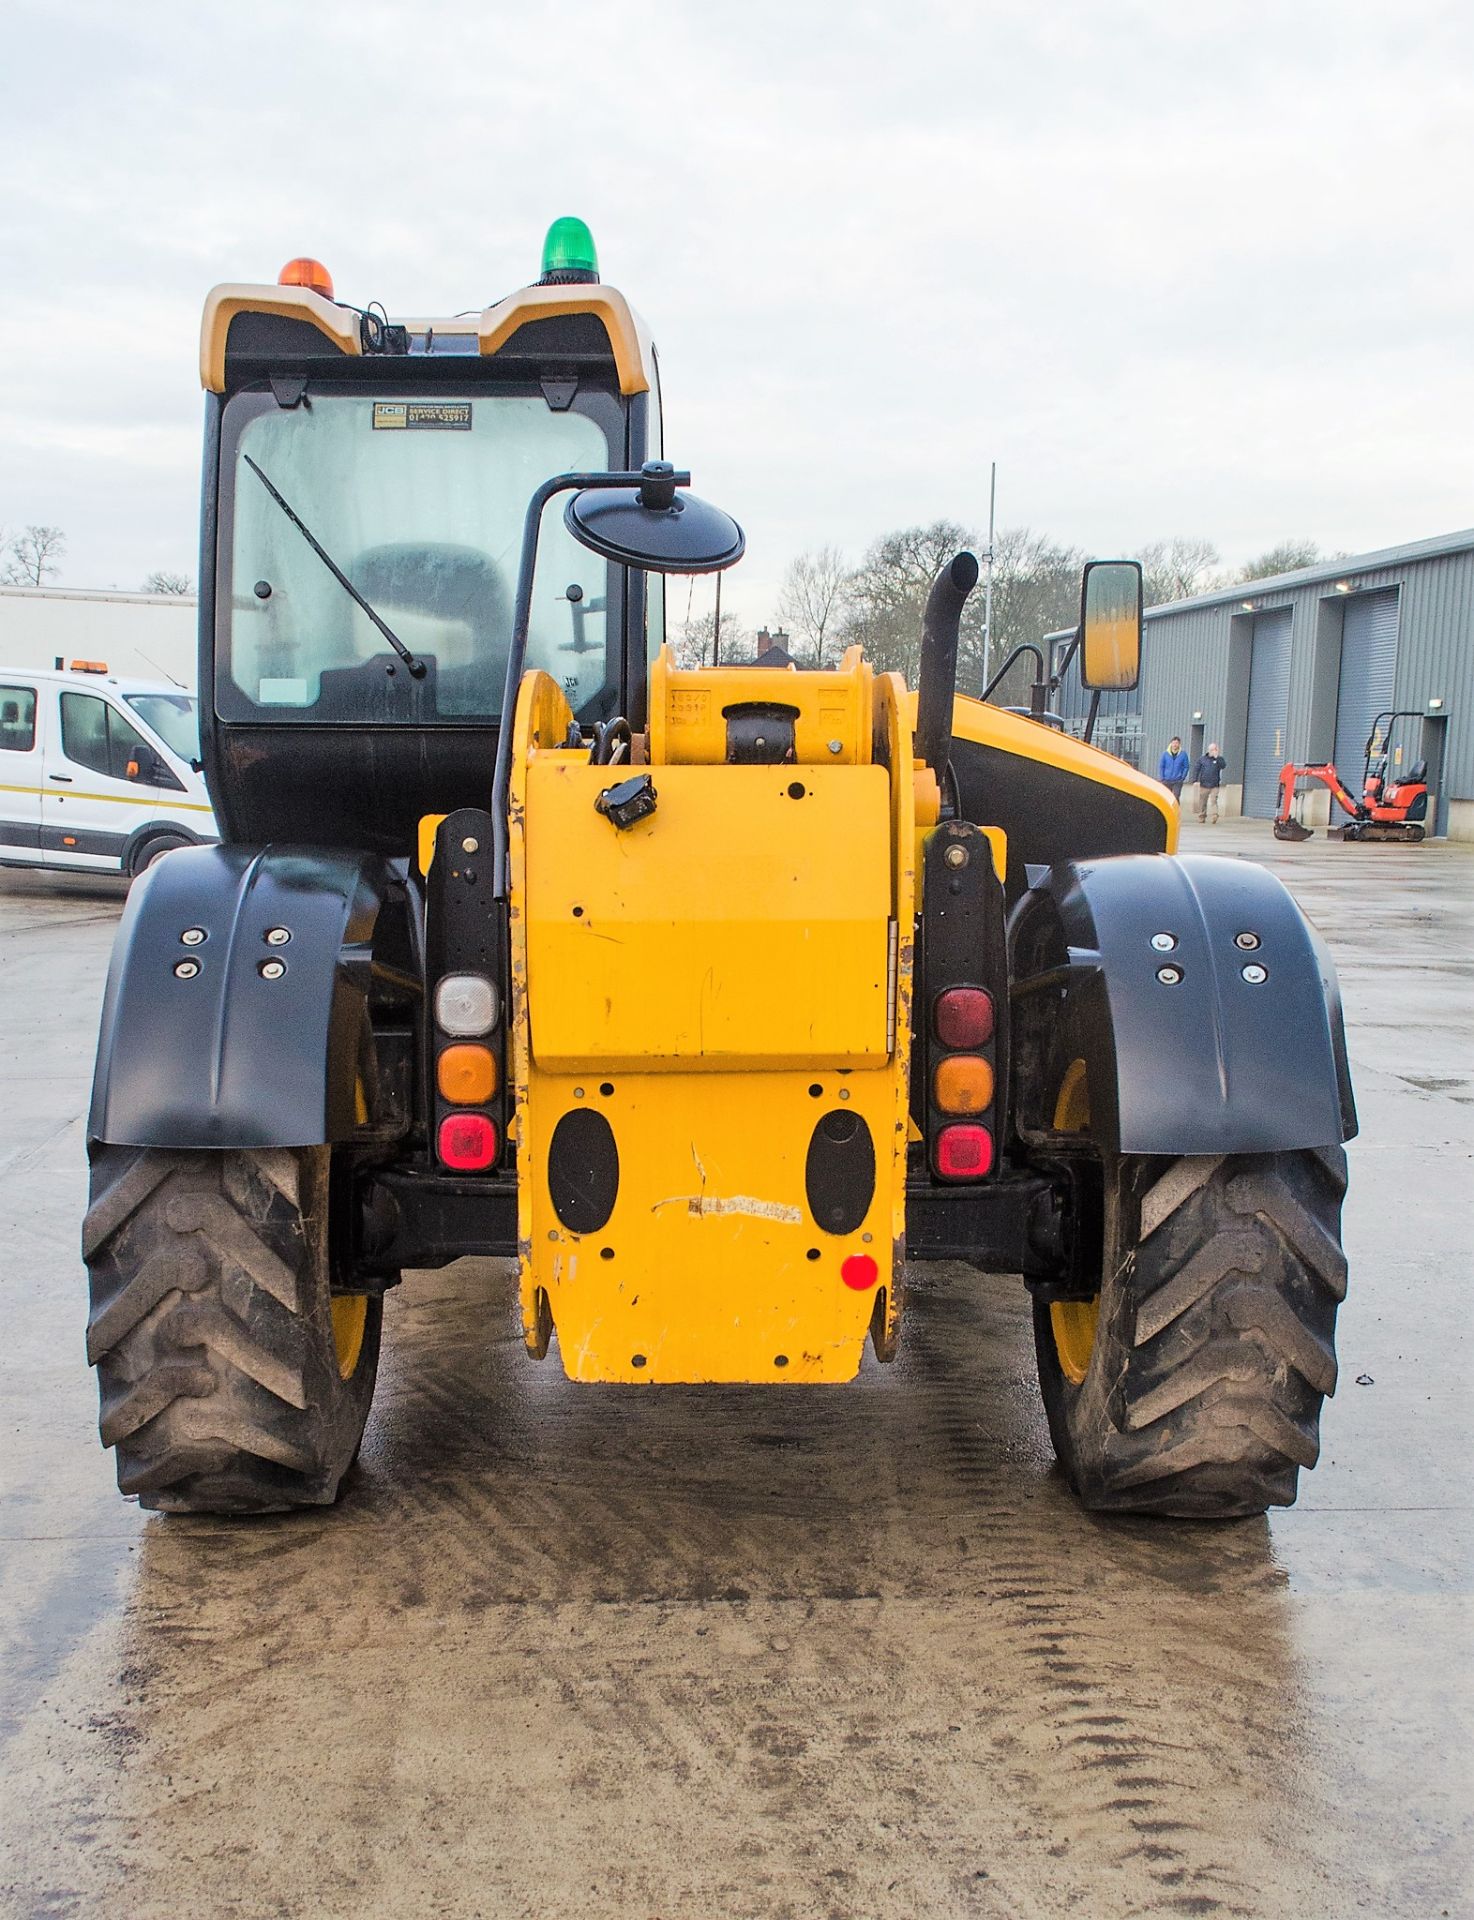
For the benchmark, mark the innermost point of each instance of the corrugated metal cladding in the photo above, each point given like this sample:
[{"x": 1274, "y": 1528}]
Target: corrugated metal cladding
[
  {"x": 1368, "y": 682},
  {"x": 1198, "y": 654},
  {"x": 1269, "y": 711}
]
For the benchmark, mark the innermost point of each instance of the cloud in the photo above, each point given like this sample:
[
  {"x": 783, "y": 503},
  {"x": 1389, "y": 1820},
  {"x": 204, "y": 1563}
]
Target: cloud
[{"x": 1176, "y": 269}]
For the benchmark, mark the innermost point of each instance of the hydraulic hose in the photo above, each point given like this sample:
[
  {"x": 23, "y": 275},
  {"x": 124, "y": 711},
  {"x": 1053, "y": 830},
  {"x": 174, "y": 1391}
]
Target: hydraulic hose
[{"x": 937, "y": 688}]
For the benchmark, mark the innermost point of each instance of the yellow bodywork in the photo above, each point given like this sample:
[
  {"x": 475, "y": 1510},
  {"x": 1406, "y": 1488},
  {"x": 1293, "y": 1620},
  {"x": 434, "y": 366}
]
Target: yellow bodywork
[
  {"x": 988, "y": 726},
  {"x": 714, "y": 980}
]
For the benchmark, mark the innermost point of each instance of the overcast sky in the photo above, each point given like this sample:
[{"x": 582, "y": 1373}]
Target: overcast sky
[{"x": 1178, "y": 268}]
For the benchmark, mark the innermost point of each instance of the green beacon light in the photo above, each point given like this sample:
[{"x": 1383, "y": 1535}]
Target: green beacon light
[{"x": 568, "y": 254}]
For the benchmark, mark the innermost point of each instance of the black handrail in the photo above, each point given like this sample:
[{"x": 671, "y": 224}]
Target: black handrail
[{"x": 501, "y": 777}]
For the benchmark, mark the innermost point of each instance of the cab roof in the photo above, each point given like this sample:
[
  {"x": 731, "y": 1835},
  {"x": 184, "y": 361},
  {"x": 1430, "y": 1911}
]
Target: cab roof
[{"x": 249, "y": 330}]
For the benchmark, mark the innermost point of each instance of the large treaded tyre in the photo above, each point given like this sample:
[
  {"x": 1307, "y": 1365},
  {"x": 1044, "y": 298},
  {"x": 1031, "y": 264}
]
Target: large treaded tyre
[
  {"x": 1213, "y": 1344},
  {"x": 230, "y": 1380}
]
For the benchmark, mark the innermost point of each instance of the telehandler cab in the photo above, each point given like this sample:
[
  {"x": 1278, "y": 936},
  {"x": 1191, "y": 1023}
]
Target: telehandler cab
[{"x": 713, "y": 996}]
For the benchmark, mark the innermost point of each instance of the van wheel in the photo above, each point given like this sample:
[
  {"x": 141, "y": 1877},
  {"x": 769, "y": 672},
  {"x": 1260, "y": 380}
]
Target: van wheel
[
  {"x": 1192, "y": 1384},
  {"x": 232, "y": 1379},
  {"x": 155, "y": 849}
]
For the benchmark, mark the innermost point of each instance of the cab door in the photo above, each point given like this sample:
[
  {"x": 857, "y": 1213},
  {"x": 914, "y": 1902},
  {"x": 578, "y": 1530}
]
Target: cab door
[
  {"x": 20, "y": 772},
  {"x": 103, "y": 779}
]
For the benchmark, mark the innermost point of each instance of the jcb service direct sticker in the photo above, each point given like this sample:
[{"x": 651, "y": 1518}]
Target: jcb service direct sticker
[{"x": 454, "y": 414}]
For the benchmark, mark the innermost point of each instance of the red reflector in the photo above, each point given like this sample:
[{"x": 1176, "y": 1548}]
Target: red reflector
[
  {"x": 963, "y": 1017},
  {"x": 859, "y": 1272},
  {"x": 964, "y": 1153},
  {"x": 467, "y": 1142}
]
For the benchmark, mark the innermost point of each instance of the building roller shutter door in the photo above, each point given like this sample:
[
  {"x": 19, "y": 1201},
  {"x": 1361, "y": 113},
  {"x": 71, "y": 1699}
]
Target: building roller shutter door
[
  {"x": 1266, "y": 746},
  {"x": 1368, "y": 673}
]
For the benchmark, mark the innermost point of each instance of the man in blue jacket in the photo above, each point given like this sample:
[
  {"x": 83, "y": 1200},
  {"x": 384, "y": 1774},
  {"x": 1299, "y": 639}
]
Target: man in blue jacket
[{"x": 1172, "y": 768}]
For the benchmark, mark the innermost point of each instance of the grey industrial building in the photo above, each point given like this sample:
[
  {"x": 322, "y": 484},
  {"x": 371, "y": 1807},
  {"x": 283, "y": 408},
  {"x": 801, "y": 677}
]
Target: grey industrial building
[{"x": 1298, "y": 667}]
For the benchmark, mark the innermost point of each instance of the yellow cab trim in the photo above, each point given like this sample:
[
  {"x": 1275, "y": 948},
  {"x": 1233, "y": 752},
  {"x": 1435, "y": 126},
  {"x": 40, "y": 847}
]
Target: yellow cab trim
[
  {"x": 628, "y": 340},
  {"x": 223, "y": 303}
]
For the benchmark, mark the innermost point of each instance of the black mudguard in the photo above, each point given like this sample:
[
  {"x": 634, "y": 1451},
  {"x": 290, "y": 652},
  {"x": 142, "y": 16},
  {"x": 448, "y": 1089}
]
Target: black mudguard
[
  {"x": 1209, "y": 1063},
  {"x": 227, "y": 1056}
]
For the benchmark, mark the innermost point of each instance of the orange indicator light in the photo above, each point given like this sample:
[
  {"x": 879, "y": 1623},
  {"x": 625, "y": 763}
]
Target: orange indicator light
[
  {"x": 467, "y": 1075},
  {"x": 963, "y": 1083}
]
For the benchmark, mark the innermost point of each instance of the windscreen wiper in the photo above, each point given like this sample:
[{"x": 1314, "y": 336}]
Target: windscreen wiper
[{"x": 416, "y": 667}]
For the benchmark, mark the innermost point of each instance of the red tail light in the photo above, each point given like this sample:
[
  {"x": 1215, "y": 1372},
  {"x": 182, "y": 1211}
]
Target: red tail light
[
  {"x": 467, "y": 1142},
  {"x": 963, "y": 1017},
  {"x": 964, "y": 1153}
]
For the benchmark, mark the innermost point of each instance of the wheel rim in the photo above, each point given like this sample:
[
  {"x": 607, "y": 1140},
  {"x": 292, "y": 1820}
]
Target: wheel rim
[
  {"x": 350, "y": 1318},
  {"x": 1074, "y": 1322},
  {"x": 350, "y": 1310}
]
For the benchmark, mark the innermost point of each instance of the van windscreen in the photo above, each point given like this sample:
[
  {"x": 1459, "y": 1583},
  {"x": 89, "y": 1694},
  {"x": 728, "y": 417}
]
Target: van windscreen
[{"x": 174, "y": 717}]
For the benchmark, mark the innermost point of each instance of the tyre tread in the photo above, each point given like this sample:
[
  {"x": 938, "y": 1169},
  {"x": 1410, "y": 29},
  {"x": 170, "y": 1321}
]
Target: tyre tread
[
  {"x": 210, "y": 1331},
  {"x": 1216, "y": 1344}
]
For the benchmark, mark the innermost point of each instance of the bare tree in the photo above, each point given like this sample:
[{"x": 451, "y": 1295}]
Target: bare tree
[
  {"x": 33, "y": 557},
  {"x": 162, "y": 581},
  {"x": 693, "y": 645},
  {"x": 812, "y": 598},
  {"x": 1288, "y": 557},
  {"x": 1178, "y": 568},
  {"x": 1036, "y": 590},
  {"x": 886, "y": 596}
]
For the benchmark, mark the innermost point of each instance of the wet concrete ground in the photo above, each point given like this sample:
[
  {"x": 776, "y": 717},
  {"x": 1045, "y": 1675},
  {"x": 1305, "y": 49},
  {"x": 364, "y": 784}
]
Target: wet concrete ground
[{"x": 697, "y": 1655}]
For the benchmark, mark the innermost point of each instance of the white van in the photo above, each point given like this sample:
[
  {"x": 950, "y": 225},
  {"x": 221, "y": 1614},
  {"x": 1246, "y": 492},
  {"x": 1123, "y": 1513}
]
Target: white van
[{"x": 98, "y": 773}]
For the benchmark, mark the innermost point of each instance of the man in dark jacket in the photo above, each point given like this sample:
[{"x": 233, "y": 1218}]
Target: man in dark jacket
[
  {"x": 1172, "y": 768},
  {"x": 1209, "y": 776}
]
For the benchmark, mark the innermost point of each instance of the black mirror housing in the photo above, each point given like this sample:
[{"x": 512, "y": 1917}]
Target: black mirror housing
[{"x": 655, "y": 526}]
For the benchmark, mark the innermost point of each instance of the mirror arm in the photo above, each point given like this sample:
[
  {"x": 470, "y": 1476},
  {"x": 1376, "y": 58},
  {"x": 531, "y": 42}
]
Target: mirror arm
[
  {"x": 1089, "y": 734},
  {"x": 1062, "y": 663},
  {"x": 1024, "y": 646},
  {"x": 501, "y": 778}
]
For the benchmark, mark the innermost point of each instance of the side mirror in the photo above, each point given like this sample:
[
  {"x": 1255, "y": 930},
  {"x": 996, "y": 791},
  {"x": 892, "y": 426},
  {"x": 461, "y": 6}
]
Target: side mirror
[
  {"x": 1110, "y": 624},
  {"x": 654, "y": 526}
]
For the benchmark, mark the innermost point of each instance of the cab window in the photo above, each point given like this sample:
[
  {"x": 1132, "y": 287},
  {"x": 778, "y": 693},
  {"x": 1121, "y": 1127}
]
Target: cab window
[
  {"x": 17, "y": 719},
  {"x": 420, "y": 504},
  {"x": 95, "y": 735}
]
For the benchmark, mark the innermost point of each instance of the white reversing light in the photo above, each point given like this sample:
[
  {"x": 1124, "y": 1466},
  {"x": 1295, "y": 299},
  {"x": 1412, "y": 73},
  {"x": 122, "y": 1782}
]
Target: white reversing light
[{"x": 466, "y": 1005}]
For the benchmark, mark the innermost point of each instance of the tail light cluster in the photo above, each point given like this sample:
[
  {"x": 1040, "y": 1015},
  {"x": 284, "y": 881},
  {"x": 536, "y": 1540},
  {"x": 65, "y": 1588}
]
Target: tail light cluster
[
  {"x": 468, "y": 1072},
  {"x": 965, "y": 972},
  {"x": 465, "y": 1058},
  {"x": 963, "y": 1083}
]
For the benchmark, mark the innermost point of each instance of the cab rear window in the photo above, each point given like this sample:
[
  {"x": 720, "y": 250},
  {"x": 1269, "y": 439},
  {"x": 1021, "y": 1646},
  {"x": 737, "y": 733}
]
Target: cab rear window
[{"x": 419, "y": 504}]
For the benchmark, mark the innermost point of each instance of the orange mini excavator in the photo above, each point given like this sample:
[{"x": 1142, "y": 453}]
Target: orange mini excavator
[{"x": 1392, "y": 806}]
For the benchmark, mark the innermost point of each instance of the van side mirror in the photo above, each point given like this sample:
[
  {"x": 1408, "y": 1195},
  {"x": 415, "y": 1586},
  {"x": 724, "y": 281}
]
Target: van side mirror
[{"x": 1110, "y": 624}]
